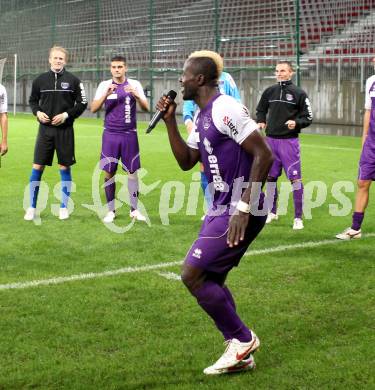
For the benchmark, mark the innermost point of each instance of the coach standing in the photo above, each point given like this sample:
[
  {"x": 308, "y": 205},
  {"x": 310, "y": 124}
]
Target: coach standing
[
  {"x": 57, "y": 99},
  {"x": 283, "y": 110}
]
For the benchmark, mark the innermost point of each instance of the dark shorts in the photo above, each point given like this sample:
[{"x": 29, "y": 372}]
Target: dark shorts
[
  {"x": 116, "y": 146},
  {"x": 287, "y": 155},
  {"x": 367, "y": 161},
  {"x": 54, "y": 138},
  {"x": 211, "y": 251}
]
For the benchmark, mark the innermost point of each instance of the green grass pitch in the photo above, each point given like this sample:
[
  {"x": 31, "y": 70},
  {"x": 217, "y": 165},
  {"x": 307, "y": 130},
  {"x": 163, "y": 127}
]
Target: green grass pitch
[{"x": 312, "y": 307}]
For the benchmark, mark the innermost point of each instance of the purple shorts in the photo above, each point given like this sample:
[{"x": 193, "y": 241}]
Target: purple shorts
[
  {"x": 116, "y": 146},
  {"x": 366, "y": 169},
  {"x": 211, "y": 252},
  {"x": 287, "y": 155}
]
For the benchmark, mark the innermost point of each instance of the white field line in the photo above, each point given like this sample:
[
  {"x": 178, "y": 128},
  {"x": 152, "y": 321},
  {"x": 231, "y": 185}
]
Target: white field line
[
  {"x": 77, "y": 135},
  {"x": 145, "y": 268},
  {"x": 169, "y": 275},
  {"x": 330, "y": 147},
  {"x": 302, "y": 245},
  {"x": 84, "y": 136}
]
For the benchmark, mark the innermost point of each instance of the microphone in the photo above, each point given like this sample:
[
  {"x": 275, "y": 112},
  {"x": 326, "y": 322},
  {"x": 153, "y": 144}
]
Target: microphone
[{"x": 159, "y": 114}]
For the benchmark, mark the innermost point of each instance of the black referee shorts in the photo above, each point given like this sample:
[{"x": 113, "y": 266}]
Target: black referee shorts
[{"x": 54, "y": 138}]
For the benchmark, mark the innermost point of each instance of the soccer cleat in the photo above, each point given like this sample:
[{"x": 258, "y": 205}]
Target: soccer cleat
[
  {"x": 135, "y": 214},
  {"x": 298, "y": 224},
  {"x": 30, "y": 214},
  {"x": 234, "y": 353},
  {"x": 271, "y": 217},
  {"x": 244, "y": 365},
  {"x": 63, "y": 213},
  {"x": 349, "y": 234},
  {"x": 110, "y": 216}
]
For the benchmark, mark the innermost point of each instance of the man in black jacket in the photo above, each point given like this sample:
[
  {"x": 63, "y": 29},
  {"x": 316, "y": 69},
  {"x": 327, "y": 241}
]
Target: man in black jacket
[
  {"x": 283, "y": 110},
  {"x": 57, "y": 99}
]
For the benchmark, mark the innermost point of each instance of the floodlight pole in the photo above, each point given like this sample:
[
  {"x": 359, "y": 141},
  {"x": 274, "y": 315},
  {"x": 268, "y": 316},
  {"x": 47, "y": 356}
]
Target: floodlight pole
[
  {"x": 53, "y": 24},
  {"x": 97, "y": 57},
  {"x": 298, "y": 43},
  {"x": 15, "y": 86},
  {"x": 151, "y": 37},
  {"x": 217, "y": 30}
]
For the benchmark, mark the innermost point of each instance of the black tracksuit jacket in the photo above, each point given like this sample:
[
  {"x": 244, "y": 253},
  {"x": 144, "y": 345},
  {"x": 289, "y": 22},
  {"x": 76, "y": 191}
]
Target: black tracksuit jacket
[
  {"x": 280, "y": 103},
  {"x": 55, "y": 93}
]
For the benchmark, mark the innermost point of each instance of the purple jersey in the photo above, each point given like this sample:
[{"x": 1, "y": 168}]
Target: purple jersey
[
  {"x": 370, "y": 105},
  {"x": 120, "y": 106},
  {"x": 219, "y": 129},
  {"x": 367, "y": 160}
]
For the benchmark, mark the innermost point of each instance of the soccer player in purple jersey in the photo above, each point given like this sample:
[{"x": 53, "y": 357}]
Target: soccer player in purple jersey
[
  {"x": 227, "y": 86},
  {"x": 226, "y": 140},
  {"x": 3, "y": 120},
  {"x": 120, "y": 140},
  {"x": 283, "y": 110},
  {"x": 366, "y": 172}
]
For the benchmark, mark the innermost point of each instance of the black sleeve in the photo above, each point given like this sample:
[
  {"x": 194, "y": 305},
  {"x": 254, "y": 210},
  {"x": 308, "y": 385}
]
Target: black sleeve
[
  {"x": 35, "y": 97},
  {"x": 305, "y": 116},
  {"x": 262, "y": 108},
  {"x": 80, "y": 100}
]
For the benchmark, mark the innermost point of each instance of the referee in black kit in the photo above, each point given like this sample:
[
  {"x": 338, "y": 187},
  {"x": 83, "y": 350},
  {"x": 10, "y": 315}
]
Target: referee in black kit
[{"x": 57, "y": 99}]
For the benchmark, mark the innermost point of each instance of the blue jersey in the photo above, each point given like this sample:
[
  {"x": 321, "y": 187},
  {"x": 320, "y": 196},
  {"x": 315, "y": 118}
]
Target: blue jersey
[{"x": 226, "y": 85}]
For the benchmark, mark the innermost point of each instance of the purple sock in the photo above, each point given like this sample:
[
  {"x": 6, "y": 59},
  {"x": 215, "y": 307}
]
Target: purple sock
[
  {"x": 133, "y": 191},
  {"x": 110, "y": 190},
  {"x": 272, "y": 195},
  {"x": 213, "y": 300},
  {"x": 357, "y": 220},
  {"x": 229, "y": 297},
  {"x": 298, "y": 198}
]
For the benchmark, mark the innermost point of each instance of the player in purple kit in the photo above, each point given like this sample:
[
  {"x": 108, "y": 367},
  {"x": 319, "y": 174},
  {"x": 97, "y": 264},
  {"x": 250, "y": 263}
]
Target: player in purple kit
[
  {"x": 3, "y": 121},
  {"x": 226, "y": 140},
  {"x": 366, "y": 172},
  {"x": 120, "y": 140},
  {"x": 283, "y": 110}
]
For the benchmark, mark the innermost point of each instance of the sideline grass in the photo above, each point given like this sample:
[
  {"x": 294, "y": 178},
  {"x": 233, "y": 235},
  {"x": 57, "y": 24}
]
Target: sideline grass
[{"x": 312, "y": 308}]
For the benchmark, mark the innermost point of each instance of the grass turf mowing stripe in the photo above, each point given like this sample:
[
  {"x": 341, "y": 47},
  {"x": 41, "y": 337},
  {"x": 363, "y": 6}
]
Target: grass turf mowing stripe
[{"x": 95, "y": 275}]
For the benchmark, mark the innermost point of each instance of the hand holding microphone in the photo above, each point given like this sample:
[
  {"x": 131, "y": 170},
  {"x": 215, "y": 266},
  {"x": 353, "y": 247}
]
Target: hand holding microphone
[{"x": 162, "y": 107}]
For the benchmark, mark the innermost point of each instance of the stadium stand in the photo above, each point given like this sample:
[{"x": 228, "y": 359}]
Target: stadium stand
[
  {"x": 336, "y": 39},
  {"x": 338, "y": 30},
  {"x": 247, "y": 32}
]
